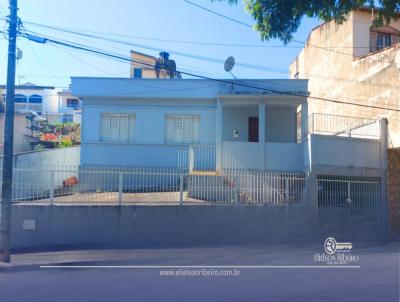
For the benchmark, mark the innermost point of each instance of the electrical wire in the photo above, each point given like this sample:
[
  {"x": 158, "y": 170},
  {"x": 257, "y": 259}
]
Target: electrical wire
[
  {"x": 178, "y": 53},
  {"x": 250, "y": 26},
  {"x": 233, "y": 83}
]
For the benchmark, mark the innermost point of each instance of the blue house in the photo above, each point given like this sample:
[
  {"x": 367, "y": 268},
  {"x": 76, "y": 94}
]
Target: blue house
[
  {"x": 194, "y": 124},
  {"x": 244, "y": 141}
]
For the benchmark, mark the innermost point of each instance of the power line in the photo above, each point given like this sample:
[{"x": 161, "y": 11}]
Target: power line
[
  {"x": 250, "y": 26},
  {"x": 209, "y": 43},
  {"x": 327, "y": 77},
  {"x": 218, "y": 14},
  {"x": 235, "y": 83},
  {"x": 178, "y": 53}
]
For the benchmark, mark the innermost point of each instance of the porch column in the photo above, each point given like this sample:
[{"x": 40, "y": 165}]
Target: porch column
[
  {"x": 304, "y": 121},
  {"x": 261, "y": 136},
  {"x": 218, "y": 136}
]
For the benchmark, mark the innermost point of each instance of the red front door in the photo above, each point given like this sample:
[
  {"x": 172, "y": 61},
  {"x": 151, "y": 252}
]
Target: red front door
[{"x": 253, "y": 129}]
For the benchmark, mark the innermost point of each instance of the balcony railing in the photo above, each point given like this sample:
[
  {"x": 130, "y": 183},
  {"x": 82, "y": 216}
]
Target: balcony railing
[{"x": 345, "y": 126}]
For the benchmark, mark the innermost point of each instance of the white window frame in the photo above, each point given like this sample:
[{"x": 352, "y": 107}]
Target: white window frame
[
  {"x": 130, "y": 136},
  {"x": 178, "y": 120}
]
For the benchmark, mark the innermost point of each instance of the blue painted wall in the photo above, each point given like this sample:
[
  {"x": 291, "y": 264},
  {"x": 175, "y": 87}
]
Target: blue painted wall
[{"x": 149, "y": 148}]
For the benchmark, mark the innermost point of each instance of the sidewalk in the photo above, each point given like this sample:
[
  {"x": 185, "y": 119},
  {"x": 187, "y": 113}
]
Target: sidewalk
[{"x": 222, "y": 255}]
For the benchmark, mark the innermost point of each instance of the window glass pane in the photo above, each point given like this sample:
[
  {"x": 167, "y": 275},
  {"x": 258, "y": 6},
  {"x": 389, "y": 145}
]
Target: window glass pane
[
  {"x": 114, "y": 131},
  {"x": 35, "y": 99},
  {"x": 196, "y": 127},
  {"x": 178, "y": 134},
  {"x": 123, "y": 129},
  {"x": 105, "y": 127},
  {"x": 131, "y": 127},
  {"x": 169, "y": 131},
  {"x": 187, "y": 130},
  {"x": 20, "y": 98}
]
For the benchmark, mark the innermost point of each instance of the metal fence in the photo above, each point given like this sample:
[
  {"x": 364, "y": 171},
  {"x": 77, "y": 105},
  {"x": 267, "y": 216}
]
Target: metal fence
[
  {"x": 359, "y": 196},
  {"x": 128, "y": 185},
  {"x": 346, "y": 126},
  {"x": 198, "y": 157}
]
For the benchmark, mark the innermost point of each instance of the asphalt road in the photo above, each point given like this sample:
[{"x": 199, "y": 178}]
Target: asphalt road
[{"x": 374, "y": 277}]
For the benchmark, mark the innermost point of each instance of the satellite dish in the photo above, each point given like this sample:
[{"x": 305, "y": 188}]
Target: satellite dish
[{"x": 229, "y": 63}]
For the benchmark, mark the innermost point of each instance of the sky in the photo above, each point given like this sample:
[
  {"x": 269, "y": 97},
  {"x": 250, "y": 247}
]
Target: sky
[{"x": 139, "y": 21}]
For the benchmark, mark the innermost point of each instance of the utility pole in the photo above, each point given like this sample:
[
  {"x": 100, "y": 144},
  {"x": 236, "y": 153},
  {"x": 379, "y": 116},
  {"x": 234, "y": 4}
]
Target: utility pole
[{"x": 6, "y": 194}]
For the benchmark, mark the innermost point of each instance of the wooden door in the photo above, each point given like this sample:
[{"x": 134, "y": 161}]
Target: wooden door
[{"x": 253, "y": 129}]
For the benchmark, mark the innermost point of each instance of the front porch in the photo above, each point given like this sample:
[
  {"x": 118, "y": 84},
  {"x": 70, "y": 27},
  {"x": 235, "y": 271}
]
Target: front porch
[{"x": 254, "y": 134}]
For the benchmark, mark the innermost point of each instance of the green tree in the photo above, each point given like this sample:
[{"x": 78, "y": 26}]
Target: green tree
[{"x": 281, "y": 18}]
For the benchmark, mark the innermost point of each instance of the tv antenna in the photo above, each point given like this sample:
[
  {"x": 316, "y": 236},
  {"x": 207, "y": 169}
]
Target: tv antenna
[{"x": 228, "y": 66}]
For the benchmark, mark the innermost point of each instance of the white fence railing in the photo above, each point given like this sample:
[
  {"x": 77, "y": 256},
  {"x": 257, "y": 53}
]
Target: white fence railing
[
  {"x": 198, "y": 157},
  {"x": 126, "y": 185},
  {"x": 346, "y": 126}
]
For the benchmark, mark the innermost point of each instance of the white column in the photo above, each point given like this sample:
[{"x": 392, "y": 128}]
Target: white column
[
  {"x": 261, "y": 136},
  {"x": 218, "y": 135},
  {"x": 304, "y": 121}
]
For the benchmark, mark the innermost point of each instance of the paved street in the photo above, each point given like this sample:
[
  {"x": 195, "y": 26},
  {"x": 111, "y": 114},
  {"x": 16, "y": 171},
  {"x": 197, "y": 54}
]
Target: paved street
[{"x": 377, "y": 278}]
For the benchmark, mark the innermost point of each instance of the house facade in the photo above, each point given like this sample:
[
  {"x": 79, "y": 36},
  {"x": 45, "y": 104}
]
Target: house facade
[
  {"x": 208, "y": 125},
  {"x": 226, "y": 138},
  {"x": 353, "y": 62},
  {"x": 41, "y": 99},
  {"x": 69, "y": 107},
  {"x": 152, "y": 122}
]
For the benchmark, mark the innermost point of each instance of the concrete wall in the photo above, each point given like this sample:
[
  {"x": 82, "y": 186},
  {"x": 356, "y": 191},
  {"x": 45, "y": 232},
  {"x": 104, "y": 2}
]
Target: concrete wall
[
  {"x": 150, "y": 120},
  {"x": 170, "y": 226},
  {"x": 278, "y": 156},
  {"x": 140, "y": 226},
  {"x": 33, "y": 179},
  {"x": 284, "y": 157},
  {"x": 62, "y": 156},
  {"x": 345, "y": 152},
  {"x": 237, "y": 118},
  {"x": 240, "y": 155},
  {"x": 347, "y": 73},
  {"x": 280, "y": 123},
  {"x": 20, "y": 142},
  {"x": 394, "y": 191},
  {"x": 138, "y": 155},
  {"x": 149, "y": 147}
]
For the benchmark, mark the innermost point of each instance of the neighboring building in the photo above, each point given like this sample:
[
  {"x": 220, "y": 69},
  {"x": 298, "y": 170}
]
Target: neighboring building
[
  {"x": 56, "y": 106},
  {"x": 144, "y": 66},
  {"x": 41, "y": 99},
  {"x": 69, "y": 107},
  {"x": 353, "y": 62}
]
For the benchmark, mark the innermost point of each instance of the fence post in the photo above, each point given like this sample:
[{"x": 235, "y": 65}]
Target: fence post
[
  {"x": 191, "y": 158},
  {"x": 181, "y": 189},
  {"x": 286, "y": 190},
  {"x": 52, "y": 176},
  {"x": 120, "y": 182},
  {"x": 236, "y": 195}
]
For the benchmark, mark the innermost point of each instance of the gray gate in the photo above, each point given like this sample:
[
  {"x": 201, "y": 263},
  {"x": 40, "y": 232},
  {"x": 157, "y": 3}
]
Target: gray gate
[{"x": 349, "y": 199}]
